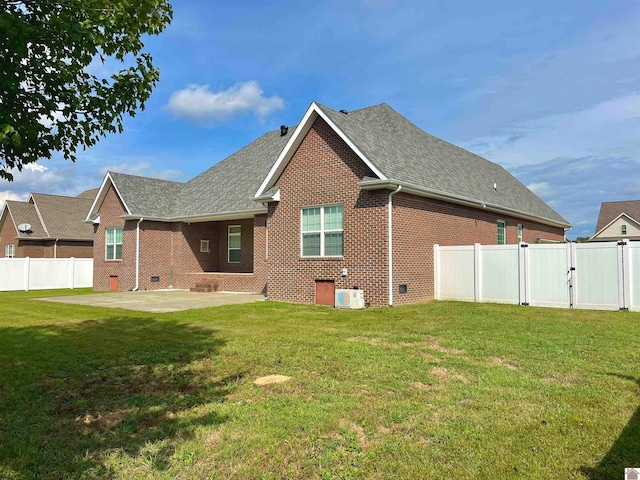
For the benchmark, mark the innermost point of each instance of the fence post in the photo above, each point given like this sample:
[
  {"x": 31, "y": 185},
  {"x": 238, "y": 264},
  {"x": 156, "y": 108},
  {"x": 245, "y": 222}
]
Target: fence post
[
  {"x": 436, "y": 271},
  {"x": 477, "y": 266},
  {"x": 27, "y": 273},
  {"x": 72, "y": 266},
  {"x": 623, "y": 274}
]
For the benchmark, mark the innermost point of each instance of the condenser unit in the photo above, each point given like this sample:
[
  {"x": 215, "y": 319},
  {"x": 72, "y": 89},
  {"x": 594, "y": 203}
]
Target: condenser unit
[{"x": 348, "y": 298}]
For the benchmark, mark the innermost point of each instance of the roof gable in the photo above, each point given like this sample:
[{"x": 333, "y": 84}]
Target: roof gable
[
  {"x": 610, "y": 211},
  {"x": 25, "y": 212},
  {"x": 400, "y": 153},
  {"x": 628, "y": 219},
  {"x": 63, "y": 217}
]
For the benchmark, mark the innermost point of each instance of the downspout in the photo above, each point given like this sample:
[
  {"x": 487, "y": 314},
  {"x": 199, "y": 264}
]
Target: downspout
[
  {"x": 55, "y": 248},
  {"x": 135, "y": 289},
  {"x": 390, "y": 242}
]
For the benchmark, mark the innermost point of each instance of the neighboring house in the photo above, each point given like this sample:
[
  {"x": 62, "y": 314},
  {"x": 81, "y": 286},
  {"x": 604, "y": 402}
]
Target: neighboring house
[
  {"x": 618, "y": 220},
  {"x": 304, "y": 210},
  {"x": 47, "y": 226}
]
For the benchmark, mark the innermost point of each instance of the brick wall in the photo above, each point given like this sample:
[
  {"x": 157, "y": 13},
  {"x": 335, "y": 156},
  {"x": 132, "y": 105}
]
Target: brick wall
[
  {"x": 8, "y": 235},
  {"x": 419, "y": 223},
  {"x": 68, "y": 249},
  {"x": 324, "y": 170}
]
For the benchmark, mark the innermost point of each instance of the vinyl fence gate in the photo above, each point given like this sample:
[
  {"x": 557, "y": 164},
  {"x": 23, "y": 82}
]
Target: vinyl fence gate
[{"x": 595, "y": 276}]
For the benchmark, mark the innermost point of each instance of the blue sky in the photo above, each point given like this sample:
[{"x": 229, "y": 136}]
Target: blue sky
[{"x": 548, "y": 89}]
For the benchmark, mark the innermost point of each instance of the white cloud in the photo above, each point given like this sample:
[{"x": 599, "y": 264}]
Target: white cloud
[
  {"x": 9, "y": 195},
  {"x": 542, "y": 189},
  {"x": 609, "y": 128},
  {"x": 199, "y": 105}
]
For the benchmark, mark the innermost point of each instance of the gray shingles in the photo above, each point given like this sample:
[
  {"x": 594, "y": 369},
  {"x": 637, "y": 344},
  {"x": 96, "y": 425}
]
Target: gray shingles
[
  {"x": 63, "y": 216},
  {"x": 145, "y": 196},
  {"x": 403, "y": 152},
  {"x": 23, "y": 212}
]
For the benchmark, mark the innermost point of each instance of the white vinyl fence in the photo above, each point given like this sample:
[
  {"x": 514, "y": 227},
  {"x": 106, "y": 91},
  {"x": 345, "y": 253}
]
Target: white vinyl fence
[
  {"x": 596, "y": 276},
  {"x": 45, "y": 273}
]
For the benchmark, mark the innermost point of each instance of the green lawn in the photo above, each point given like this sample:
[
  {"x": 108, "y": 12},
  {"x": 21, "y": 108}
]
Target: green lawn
[{"x": 440, "y": 390}]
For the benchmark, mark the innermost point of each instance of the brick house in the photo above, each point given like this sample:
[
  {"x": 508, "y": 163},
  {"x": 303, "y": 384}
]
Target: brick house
[
  {"x": 344, "y": 199},
  {"x": 56, "y": 227}
]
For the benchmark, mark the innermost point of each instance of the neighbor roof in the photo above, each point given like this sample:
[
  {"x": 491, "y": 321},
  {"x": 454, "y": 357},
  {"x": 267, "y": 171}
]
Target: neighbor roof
[
  {"x": 23, "y": 212},
  {"x": 609, "y": 211}
]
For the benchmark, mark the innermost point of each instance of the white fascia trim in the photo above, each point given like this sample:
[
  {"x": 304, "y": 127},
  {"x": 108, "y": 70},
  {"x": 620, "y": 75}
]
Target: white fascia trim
[
  {"x": 268, "y": 198},
  {"x": 458, "y": 199},
  {"x": 611, "y": 223},
  {"x": 303, "y": 128},
  {"x": 100, "y": 198}
]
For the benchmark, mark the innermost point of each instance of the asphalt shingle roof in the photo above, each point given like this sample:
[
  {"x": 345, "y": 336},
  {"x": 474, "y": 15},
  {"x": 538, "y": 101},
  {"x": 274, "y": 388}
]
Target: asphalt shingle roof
[
  {"x": 146, "y": 196},
  {"x": 63, "y": 216},
  {"x": 609, "y": 211},
  {"x": 23, "y": 212},
  {"x": 404, "y": 152}
]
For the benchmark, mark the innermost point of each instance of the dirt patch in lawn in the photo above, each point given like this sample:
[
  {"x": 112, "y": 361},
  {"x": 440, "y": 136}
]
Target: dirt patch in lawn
[{"x": 271, "y": 380}]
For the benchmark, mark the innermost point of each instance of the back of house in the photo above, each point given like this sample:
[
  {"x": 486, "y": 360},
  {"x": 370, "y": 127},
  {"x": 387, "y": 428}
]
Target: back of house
[{"x": 344, "y": 200}]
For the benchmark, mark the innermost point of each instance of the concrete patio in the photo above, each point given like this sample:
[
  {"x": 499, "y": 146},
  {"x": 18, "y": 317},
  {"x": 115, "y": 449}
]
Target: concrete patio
[{"x": 159, "y": 301}]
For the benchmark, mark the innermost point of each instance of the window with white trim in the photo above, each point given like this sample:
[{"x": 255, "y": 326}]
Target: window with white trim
[
  {"x": 623, "y": 229},
  {"x": 113, "y": 241},
  {"x": 234, "y": 243},
  {"x": 519, "y": 233},
  {"x": 10, "y": 250},
  {"x": 322, "y": 232},
  {"x": 204, "y": 246},
  {"x": 502, "y": 232}
]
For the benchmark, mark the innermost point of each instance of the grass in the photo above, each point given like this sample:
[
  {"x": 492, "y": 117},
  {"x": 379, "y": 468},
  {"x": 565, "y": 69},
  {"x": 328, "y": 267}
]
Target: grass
[{"x": 441, "y": 390}]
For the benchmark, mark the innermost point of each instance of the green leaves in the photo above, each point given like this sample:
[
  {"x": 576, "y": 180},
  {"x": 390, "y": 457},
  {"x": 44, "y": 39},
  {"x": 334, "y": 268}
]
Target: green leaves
[{"x": 49, "y": 100}]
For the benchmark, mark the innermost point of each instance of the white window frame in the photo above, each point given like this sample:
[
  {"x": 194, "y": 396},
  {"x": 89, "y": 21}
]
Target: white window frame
[
  {"x": 623, "y": 229},
  {"x": 115, "y": 244},
  {"x": 504, "y": 232},
  {"x": 520, "y": 233},
  {"x": 204, "y": 246},
  {"x": 10, "y": 250},
  {"x": 322, "y": 231},
  {"x": 229, "y": 249}
]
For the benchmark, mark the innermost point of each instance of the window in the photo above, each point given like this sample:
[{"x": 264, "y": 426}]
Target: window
[
  {"x": 114, "y": 244},
  {"x": 234, "y": 243},
  {"x": 10, "y": 250},
  {"x": 322, "y": 231},
  {"x": 204, "y": 246},
  {"x": 623, "y": 229},
  {"x": 502, "y": 230},
  {"x": 519, "y": 233}
]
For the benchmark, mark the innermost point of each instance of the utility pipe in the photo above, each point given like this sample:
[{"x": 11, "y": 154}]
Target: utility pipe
[
  {"x": 135, "y": 289},
  {"x": 55, "y": 248},
  {"x": 390, "y": 242}
]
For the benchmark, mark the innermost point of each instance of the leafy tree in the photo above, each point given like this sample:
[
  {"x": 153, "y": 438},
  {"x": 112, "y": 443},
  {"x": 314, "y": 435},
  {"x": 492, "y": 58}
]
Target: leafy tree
[
  {"x": 582, "y": 239},
  {"x": 48, "y": 99}
]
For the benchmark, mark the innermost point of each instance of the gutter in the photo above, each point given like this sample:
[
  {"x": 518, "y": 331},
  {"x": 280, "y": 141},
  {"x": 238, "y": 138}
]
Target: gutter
[
  {"x": 390, "y": 242},
  {"x": 459, "y": 199},
  {"x": 230, "y": 215},
  {"x": 135, "y": 289}
]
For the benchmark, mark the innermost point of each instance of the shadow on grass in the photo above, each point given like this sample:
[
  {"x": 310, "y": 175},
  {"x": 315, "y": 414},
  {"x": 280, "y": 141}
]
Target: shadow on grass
[
  {"x": 625, "y": 451},
  {"x": 71, "y": 394}
]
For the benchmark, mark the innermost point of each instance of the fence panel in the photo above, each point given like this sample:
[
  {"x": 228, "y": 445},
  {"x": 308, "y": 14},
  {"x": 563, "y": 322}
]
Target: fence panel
[
  {"x": 499, "y": 274},
  {"x": 546, "y": 272},
  {"x": 456, "y": 273},
  {"x": 632, "y": 260},
  {"x": 12, "y": 274},
  {"x": 597, "y": 280},
  {"x": 45, "y": 273}
]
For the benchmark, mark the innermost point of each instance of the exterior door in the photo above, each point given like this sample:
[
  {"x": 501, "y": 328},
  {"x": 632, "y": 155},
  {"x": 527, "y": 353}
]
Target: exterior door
[
  {"x": 325, "y": 292},
  {"x": 113, "y": 284}
]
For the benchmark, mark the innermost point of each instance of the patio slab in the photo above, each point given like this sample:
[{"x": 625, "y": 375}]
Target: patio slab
[{"x": 159, "y": 301}]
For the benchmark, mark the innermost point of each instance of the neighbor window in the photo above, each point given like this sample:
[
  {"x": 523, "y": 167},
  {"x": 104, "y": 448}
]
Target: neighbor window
[
  {"x": 114, "y": 244},
  {"x": 623, "y": 229},
  {"x": 9, "y": 250},
  {"x": 204, "y": 246},
  {"x": 519, "y": 233},
  {"x": 234, "y": 243},
  {"x": 322, "y": 231},
  {"x": 502, "y": 232}
]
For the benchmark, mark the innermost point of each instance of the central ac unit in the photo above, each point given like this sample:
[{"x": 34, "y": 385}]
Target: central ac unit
[{"x": 349, "y": 298}]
